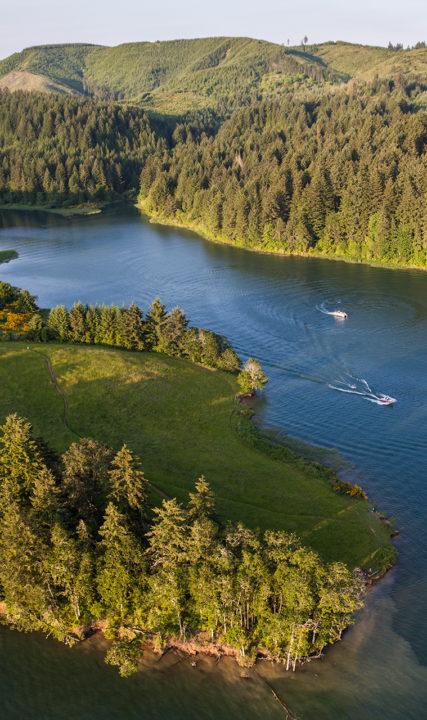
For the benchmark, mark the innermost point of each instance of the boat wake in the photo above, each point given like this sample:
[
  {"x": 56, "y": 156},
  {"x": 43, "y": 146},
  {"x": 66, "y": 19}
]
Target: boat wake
[
  {"x": 360, "y": 386},
  {"x": 338, "y": 314}
]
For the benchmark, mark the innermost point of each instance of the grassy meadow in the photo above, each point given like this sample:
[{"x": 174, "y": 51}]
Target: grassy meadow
[{"x": 183, "y": 421}]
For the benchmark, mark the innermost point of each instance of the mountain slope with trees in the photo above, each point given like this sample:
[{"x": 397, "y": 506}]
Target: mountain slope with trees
[
  {"x": 171, "y": 76},
  {"x": 61, "y": 65},
  {"x": 344, "y": 176},
  {"x": 178, "y": 76},
  {"x": 365, "y": 62},
  {"x": 285, "y": 154}
]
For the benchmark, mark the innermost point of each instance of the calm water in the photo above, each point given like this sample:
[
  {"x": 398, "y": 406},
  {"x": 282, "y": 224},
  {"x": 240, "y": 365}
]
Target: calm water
[{"x": 273, "y": 308}]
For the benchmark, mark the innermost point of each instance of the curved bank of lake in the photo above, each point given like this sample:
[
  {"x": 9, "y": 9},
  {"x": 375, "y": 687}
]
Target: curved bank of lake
[
  {"x": 182, "y": 222},
  {"x": 272, "y": 304}
]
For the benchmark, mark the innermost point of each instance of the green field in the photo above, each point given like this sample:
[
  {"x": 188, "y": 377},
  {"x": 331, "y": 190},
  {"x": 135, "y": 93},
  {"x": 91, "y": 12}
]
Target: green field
[{"x": 183, "y": 421}]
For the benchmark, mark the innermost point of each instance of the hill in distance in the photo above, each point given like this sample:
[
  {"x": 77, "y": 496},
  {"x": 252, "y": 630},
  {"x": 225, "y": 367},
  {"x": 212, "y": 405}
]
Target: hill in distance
[{"x": 180, "y": 75}]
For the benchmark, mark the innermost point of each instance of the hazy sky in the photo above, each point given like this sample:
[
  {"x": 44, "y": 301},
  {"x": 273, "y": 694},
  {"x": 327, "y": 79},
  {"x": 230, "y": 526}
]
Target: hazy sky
[{"x": 110, "y": 22}]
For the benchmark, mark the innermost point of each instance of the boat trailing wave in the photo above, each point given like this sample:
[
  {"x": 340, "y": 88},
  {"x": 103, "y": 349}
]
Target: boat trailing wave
[{"x": 359, "y": 386}]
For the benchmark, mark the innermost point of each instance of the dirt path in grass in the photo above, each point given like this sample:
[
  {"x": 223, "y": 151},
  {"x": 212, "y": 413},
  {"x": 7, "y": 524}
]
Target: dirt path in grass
[
  {"x": 61, "y": 393},
  {"x": 54, "y": 381}
]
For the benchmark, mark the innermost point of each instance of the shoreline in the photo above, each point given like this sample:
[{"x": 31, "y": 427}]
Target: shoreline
[
  {"x": 159, "y": 219},
  {"x": 338, "y": 485},
  {"x": 156, "y": 218},
  {"x": 201, "y": 643},
  {"x": 193, "y": 647}
]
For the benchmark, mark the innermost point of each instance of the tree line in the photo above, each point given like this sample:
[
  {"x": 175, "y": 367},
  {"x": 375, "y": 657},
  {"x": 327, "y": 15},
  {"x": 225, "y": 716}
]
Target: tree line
[
  {"x": 81, "y": 543},
  {"x": 127, "y": 328}
]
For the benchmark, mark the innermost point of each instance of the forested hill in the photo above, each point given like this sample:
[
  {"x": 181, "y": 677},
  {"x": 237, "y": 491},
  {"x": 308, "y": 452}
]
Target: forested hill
[
  {"x": 344, "y": 177},
  {"x": 181, "y": 75},
  {"x": 170, "y": 76}
]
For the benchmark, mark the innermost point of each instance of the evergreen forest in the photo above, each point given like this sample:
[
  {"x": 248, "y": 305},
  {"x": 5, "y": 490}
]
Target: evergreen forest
[{"x": 81, "y": 547}]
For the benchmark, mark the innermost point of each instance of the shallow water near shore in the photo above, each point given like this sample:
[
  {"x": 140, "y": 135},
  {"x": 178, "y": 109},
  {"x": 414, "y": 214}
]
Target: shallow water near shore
[{"x": 269, "y": 307}]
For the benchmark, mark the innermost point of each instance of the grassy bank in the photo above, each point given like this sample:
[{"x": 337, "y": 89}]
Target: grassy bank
[
  {"x": 7, "y": 255},
  {"x": 186, "y": 224},
  {"x": 87, "y": 209},
  {"x": 183, "y": 421}
]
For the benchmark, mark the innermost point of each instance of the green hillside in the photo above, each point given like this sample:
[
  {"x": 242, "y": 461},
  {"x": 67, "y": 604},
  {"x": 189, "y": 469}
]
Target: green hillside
[
  {"x": 62, "y": 65},
  {"x": 365, "y": 62},
  {"x": 176, "y": 75},
  {"x": 183, "y": 421},
  {"x": 191, "y": 73}
]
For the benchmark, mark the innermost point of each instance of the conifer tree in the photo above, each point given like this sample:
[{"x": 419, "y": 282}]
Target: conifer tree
[
  {"x": 168, "y": 553},
  {"x": 20, "y": 462},
  {"x": 132, "y": 328},
  {"x": 170, "y": 332},
  {"x": 23, "y": 582},
  {"x": 62, "y": 564},
  {"x": 85, "y": 480},
  {"x": 201, "y": 503},
  {"x": 128, "y": 486},
  {"x": 59, "y": 322},
  {"x": 121, "y": 565},
  {"x": 45, "y": 498},
  {"x": 77, "y": 321},
  {"x": 154, "y": 320}
]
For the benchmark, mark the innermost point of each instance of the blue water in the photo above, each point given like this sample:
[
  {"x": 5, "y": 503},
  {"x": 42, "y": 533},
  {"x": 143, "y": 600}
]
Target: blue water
[{"x": 270, "y": 307}]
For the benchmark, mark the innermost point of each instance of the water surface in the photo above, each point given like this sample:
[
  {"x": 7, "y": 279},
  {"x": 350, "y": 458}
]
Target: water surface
[{"x": 273, "y": 308}]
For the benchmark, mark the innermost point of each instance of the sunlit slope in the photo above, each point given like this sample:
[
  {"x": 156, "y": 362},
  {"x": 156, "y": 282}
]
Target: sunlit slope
[
  {"x": 198, "y": 71},
  {"x": 367, "y": 62},
  {"x": 183, "y": 421},
  {"x": 31, "y": 82},
  {"x": 62, "y": 67},
  {"x": 171, "y": 75}
]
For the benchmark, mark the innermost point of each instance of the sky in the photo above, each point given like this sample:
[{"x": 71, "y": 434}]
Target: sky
[{"x": 111, "y": 22}]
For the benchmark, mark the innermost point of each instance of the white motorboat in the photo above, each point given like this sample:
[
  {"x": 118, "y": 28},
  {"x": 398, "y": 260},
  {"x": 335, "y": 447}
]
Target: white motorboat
[
  {"x": 385, "y": 400},
  {"x": 340, "y": 314}
]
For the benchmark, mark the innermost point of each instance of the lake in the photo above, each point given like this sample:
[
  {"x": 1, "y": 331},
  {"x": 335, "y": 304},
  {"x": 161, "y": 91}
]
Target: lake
[{"x": 325, "y": 375}]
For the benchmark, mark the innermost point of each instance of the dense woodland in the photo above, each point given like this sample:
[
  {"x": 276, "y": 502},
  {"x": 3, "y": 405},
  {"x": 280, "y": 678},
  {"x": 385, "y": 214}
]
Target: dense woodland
[
  {"x": 65, "y": 150},
  {"x": 80, "y": 543},
  {"x": 343, "y": 176}
]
